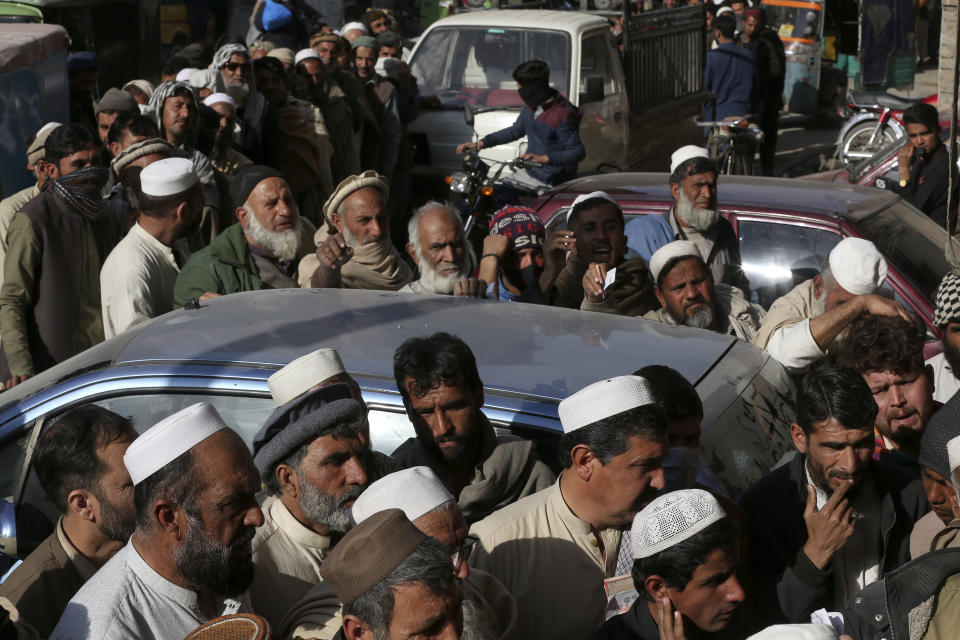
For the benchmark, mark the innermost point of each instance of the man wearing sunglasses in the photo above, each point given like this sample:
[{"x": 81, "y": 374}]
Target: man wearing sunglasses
[{"x": 924, "y": 165}]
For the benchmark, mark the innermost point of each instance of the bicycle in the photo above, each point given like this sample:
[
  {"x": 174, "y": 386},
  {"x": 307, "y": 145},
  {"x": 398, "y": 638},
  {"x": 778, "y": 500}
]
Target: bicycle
[{"x": 732, "y": 144}]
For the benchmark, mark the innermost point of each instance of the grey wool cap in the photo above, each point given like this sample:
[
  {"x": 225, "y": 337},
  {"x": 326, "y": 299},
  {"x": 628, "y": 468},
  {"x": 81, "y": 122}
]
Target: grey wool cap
[
  {"x": 943, "y": 427},
  {"x": 302, "y": 420}
]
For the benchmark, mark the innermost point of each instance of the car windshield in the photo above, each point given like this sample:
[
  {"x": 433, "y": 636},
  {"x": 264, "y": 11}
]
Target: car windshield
[
  {"x": 911, "y": 241},
  {"x": 465, "y": 65}
]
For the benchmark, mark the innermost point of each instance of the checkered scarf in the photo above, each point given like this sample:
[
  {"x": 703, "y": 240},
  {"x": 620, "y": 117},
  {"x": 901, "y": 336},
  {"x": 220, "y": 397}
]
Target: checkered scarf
[
  {"x": 948, "y": 300},
  {"x": 80, "y": 190},
  {"x": 222, "y": 56}
]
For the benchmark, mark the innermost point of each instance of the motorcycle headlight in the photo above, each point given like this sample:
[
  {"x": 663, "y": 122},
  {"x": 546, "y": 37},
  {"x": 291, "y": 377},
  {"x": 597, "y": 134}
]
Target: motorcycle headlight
[{"x": 460, "y": 182}]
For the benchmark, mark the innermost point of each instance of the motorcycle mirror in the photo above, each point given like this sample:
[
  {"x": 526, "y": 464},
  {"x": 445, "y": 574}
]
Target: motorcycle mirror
[{"x": 468, "y": 115}]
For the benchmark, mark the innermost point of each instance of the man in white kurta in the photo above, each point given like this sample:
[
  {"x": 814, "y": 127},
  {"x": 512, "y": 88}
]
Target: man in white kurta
[{"x": 137, "y": 278}]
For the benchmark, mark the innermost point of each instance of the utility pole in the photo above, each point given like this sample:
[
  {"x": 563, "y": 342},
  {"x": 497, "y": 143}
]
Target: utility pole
[{"x": 948, "y": 55}]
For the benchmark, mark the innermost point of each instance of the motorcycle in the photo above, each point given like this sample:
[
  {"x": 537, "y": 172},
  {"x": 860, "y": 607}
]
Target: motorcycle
[{"x": 873, "y": 119}]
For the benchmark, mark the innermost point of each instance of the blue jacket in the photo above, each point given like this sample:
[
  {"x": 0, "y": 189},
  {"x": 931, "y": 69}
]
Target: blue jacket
[
  {"x": 555, "y": 133},
  {"x": 730, "y": 74}
]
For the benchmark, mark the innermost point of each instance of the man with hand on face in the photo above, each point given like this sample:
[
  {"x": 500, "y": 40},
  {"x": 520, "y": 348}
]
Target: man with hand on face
[
  {"x": 924, "y": 165},
  {"x": 358, "y": 254},
  {"x": 189, "y": 559},
  {"x": 139, "y": 275},
  {"x": 553, "y": 550},
  {"x": 313, "y": 460},
  {"x": 688, "y": 295},
  {"x": 442, "y": 253},
  {"x": 694, "y": 216},
  {"x": 686, "y": 553},
  {"x": 515, "y": 262},
  {"x": 79, "y": 463},
  {"x": 442, "y": 392},
  {"x": 832, "y": 520},
  {"x": 600, "y": 247},
  {"x": 946, "y": 318},
  {"x": 260, "y": 251},
  {"x": 810, "y": 320}
]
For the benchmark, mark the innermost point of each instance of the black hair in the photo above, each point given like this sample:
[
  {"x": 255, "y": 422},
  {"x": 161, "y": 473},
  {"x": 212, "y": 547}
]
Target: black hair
[
  {"x": 66, "y": 140},
  {"x": 834, "y": 392},
  {"x": 590, "y": 204},
  {"x": 433, "y": 360},
  {"x": 273, "y": 65},
  {"x": 134, "y": 124},
  {"x": 610, "y": 437},
  {"x": 677, "y": 564},
  {"x": 229, "y": 38},
  {"x": 532, "y": 71},
  {"x": 65, "y": 457},
  {"x": 178, "y": 481},
  {"x": 390, "y": 39},
  {"x": 922, "y": 113},
  {"x": 692, "y": 167},
  {"x": 882, "y": 343},
  {"x": 726, "y": 25},
  {"x": 672, "y": 392},
  {"x": 174, "y": 65}
]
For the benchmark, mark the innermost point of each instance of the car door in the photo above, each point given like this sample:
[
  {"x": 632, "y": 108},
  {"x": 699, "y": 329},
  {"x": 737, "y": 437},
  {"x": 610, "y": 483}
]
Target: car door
[{"x": 603, "y": 127}]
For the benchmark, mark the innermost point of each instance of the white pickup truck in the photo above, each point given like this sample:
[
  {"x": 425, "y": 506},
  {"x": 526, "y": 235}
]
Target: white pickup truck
[{"x": 469, "y": 58}]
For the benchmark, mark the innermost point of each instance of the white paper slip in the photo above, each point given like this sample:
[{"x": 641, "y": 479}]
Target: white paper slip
[{"x": 611, "y": 276}]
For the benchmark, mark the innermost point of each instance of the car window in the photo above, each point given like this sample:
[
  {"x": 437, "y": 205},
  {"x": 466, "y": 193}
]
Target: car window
[
  {"x": 776, "y": 256},
  {"x": 595, "y": 62}
]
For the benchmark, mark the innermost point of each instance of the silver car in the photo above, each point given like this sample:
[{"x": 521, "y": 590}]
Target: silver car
[{"x": 530, "y": 357}]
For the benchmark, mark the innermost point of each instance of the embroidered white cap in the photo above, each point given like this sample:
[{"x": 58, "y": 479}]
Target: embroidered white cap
[
  {"x": 184, "y": 74},
  {"x": 168, "y": 177},
  {"x": 603, "y": 399},
  {"x": 672, "y": 518},
  {"x": 215, "y": 98},
  {"x": 173, "y": 436},
  {"x": 858, "y": 266},
  {"x": 796, "y": 632},
  {"x": 415, "y": 491},
  {"x": 590, "y": 196},
  {"x": 306, "y": 54},
  {"x": 303, "y": 374},
  {"x": 689, "y": 152},
  {"x": 669, "y": 251}
]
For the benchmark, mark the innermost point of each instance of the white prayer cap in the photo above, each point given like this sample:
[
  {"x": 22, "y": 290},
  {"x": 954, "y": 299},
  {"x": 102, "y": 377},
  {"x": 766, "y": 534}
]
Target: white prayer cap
[
  {"x": 168, "y": 177},
  {"x": 306, "y": 54},
  {"x": 796, "y": 632},
  {"x": 215, "y": 98},
  {"x": 303, "y": 374},
  {"x": 953, "y": 453},
  {"x": 672, "y": 518},
  {"x": 415, "y": 491},
  {"x": 669, "y": 251},
  {"x": 858, "y": 266},
  {"x": 184, "y": 74},
  {"x": 590, "y": 196},
  {"x": 721, "y": 12},
  {"x": 162, "y": 443},
  {"x": 688, "y": 152},
  {"x": 603, "y": 399},
  {"x": 351, "y": 26}
]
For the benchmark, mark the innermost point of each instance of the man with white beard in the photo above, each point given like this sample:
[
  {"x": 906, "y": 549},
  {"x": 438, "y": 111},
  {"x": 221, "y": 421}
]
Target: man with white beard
[
  {"x": 445, "y": 259},
  {"x": 802, "y": 326},
  {"x": 236, "y": 69},
  {"x": 695, "y": 217},
  {"x": 261, "y": 251}
]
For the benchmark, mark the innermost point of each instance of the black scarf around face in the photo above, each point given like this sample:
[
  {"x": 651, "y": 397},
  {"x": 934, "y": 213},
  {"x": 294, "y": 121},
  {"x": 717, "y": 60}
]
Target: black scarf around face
[
  {"x": 80, "y": 190},
  {"x": 535, "y": 93}
]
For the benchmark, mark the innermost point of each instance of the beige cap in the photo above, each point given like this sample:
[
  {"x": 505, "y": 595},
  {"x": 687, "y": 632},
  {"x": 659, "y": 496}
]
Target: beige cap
[
  {"x": 303, "y": 374},
  {"x": 349, "y": 185},
  {"x": 36, "y": 151},
  {"x": 669, "y": 251},
  {"x": 282, "y": 54}
]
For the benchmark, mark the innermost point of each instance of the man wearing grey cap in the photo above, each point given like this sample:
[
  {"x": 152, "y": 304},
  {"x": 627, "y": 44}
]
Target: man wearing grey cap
[
  {"x": 314, "y": 463},
  {"x": 685, "y": 552},
  {"x": 553, "y": 550},
  {"x": 804, "y": 324},
  {"x": 112, "y": 104},
  {"x": 394, "y": 582}
]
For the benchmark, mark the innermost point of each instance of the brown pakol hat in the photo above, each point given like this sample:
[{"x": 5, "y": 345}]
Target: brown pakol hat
[{"x": 369, "y": 553}]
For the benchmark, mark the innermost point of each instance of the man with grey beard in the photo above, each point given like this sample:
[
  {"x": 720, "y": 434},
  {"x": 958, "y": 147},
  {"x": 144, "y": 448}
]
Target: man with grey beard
[
  {"x": 445, "y": 259},
  {"x": 694, "y": 216},
  {"x": 260, "y": 251},
  {"x": 235, "y": 67},
  {"x": 688, "y": 295},
  {"x": 314, "y": 461}
]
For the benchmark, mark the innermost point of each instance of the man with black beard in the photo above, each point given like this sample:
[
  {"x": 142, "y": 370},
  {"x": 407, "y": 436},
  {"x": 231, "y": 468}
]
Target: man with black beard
[
  {"x": 694, "y": 216},
  {"x": 442, "y": 253},
  {"x": 189, "y": 559},
  {"x": 689, "y": 296},
  {"x": 832, "y": 520},
  {"x": 441, "y": 388},
  {"x": 79, "y": 462},
  {"x": 314, "y": 461},
  {"x": 946, "y": 318}
]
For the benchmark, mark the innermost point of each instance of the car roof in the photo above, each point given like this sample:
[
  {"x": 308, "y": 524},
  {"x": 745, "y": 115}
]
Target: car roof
[
  {"x": 530, "y": 351},
  {"x": 569, "y": 21},
  {"x": 750, "y": 191}
]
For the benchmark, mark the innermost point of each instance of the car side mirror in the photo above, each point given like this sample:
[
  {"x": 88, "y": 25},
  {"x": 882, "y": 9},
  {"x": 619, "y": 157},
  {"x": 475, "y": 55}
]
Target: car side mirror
[
  {"x": 594, "y": 92},
  {"x": 468, "y": 115}
]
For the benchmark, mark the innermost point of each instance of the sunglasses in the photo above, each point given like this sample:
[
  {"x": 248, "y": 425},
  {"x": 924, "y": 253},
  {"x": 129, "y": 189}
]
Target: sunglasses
[{"x": 232, "y": 67}]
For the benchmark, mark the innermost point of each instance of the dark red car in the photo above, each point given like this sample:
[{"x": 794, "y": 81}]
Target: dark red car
[{"x": 788, "y": 227}]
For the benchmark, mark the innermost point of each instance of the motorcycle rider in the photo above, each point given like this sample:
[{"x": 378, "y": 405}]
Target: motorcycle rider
[
  {"x": 550, "y": 123},
  {"x": 924, "y": 164}
]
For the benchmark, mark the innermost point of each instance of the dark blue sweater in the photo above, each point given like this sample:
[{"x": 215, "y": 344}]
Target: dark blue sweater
[{"x": 730, "y": 74}]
